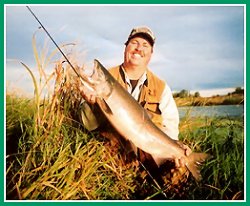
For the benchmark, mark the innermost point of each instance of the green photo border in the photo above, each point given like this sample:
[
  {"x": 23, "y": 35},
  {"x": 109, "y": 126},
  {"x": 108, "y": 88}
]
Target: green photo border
[{"x": 107, "y": 203}]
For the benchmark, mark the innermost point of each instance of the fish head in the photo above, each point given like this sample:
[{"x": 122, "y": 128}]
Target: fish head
[{"x": 100, "y": 82}]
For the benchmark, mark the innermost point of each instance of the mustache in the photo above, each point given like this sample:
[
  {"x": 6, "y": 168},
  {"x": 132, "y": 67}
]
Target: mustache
[{"x": 137, "y": 52}]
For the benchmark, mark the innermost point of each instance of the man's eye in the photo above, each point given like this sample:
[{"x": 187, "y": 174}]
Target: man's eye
[{"x": 133, "y": 42}]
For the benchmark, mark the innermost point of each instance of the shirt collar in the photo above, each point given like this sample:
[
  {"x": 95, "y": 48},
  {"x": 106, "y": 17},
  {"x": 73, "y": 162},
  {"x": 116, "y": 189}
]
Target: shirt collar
[{"x": 141, "y": 81}]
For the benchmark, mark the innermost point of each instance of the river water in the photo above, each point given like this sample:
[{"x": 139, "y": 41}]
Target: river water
[{"x": 212, "y": 111}]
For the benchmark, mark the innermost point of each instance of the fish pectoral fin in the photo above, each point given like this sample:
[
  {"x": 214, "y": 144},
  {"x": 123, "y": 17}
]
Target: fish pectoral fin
[
  {"x": 194, "y": 161},
  {"x": 104, "y": 106}
]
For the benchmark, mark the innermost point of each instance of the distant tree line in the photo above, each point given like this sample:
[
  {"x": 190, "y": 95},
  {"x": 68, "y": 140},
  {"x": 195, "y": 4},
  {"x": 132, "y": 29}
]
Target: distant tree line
[
  {"x": 238, "y": 90},
  {"x": 185, "y": 93}
]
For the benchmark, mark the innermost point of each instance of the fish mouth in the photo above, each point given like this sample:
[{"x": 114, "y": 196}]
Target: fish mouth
[{"x": 92, "y": 79}]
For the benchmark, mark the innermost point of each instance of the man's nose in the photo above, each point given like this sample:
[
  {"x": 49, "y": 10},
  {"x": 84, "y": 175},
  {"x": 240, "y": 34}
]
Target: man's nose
[{"x": 139, "y": 47}]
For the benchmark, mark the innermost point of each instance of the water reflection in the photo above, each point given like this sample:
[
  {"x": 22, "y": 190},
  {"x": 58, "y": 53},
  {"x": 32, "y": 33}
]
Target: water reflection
[{"x": 212, "y": 111}]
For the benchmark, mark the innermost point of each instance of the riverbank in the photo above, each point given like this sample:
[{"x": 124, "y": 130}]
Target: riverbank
[{"x": 232, "y": 99}]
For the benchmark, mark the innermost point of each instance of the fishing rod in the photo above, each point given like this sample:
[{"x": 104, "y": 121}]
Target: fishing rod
[{"x": 82, "y": 78}]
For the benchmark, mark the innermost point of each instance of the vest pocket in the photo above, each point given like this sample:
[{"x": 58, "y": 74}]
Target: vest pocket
[
  {"x": 154, "y": 113},
  {"x": 152, "y": 107}
]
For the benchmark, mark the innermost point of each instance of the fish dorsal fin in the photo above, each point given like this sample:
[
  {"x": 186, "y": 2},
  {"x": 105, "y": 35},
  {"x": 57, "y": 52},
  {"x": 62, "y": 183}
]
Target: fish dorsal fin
[{"x": 104, "y": 106}]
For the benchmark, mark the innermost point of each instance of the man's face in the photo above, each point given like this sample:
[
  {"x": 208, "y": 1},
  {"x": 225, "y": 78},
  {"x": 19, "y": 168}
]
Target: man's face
[{"x": 138, "y": 52}]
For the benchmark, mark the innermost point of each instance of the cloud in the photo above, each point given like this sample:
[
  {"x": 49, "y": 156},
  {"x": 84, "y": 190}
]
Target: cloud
[{"x": 197, "y": 47}]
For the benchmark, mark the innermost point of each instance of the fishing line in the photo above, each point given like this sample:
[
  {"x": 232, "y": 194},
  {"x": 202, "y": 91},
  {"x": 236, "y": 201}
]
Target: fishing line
[{"x": 154, "y": 180}]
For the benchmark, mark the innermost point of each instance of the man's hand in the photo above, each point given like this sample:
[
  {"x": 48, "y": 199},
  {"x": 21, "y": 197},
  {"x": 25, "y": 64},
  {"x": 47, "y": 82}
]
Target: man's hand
[
  {"x": 180, "y": 162},
  {"x": 86, "y": 93}
]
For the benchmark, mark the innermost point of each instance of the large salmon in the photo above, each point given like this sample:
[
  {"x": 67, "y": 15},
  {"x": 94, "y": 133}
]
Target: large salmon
[{"x": 131, "y": 120}]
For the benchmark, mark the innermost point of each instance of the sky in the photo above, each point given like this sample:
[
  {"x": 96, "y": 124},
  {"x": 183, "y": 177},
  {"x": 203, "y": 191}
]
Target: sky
[{"x": 198, "y": 47}]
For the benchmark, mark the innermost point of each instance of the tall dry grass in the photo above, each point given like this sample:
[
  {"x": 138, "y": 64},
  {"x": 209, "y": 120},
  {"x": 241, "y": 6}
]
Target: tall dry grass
[{"x": 55, "y": 157}]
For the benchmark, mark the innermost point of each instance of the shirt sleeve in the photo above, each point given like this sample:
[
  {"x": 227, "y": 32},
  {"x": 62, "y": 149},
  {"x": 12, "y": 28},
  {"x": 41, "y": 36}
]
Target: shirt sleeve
[{"x": 170, "y": 114}]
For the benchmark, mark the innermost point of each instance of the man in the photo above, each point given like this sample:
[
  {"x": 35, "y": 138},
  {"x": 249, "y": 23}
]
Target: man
[{"x": 150, "y": 91}]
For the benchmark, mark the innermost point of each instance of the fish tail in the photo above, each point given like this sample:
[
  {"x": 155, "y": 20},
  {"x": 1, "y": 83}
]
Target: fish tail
[{"x": 193, "y": 163}]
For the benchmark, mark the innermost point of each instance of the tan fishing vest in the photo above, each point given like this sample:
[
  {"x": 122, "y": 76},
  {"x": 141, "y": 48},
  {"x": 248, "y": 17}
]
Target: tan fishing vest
[{"x": 150, "y": 95}]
